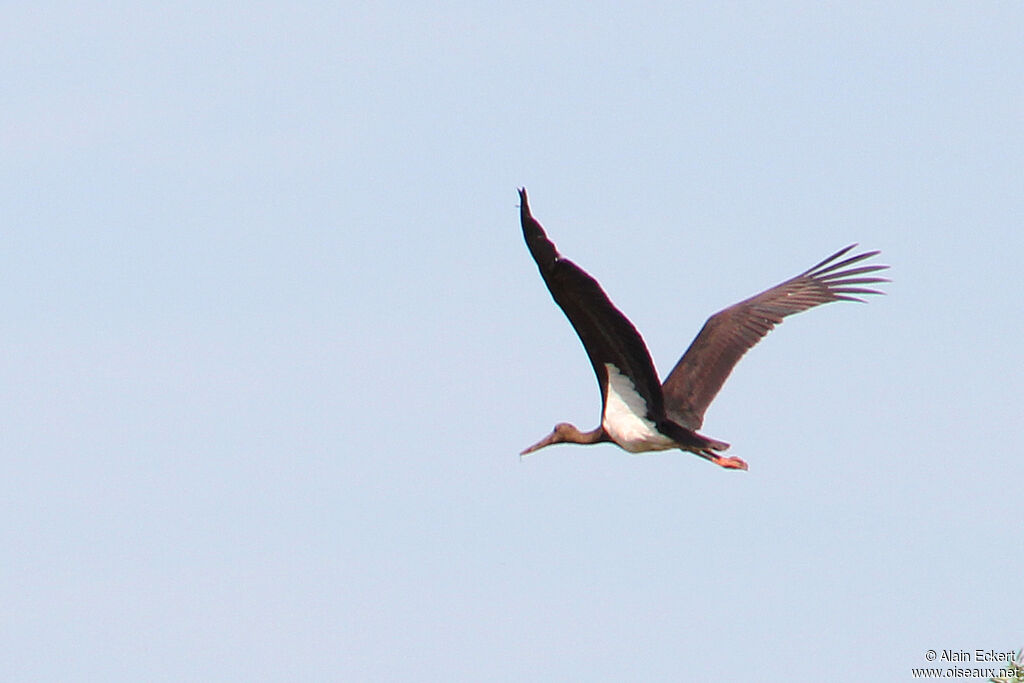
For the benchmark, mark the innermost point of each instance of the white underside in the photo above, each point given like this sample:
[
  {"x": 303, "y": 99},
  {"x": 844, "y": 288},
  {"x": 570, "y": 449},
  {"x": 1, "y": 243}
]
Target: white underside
[{"x": 625, "y": 418}]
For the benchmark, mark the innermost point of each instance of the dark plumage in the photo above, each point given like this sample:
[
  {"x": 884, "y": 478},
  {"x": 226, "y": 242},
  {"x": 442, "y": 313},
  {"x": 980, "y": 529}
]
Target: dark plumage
[{"x": 638, "y": 413}]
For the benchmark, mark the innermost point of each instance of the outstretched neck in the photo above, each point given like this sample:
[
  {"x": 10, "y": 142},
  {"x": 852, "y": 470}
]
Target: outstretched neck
[
  {"x": 594, "y": 436},
  {"x": 567, "y": 433}
]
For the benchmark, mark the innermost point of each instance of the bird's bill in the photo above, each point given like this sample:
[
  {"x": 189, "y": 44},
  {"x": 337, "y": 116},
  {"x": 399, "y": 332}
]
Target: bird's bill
[{"x": 546, "y": 441}]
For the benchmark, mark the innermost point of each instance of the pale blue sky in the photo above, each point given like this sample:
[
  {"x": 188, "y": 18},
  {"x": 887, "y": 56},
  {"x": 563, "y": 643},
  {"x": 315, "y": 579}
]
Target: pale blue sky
[{"x": 272, "y": 341}]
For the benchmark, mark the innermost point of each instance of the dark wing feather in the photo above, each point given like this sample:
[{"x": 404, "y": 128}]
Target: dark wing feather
[
  {"x": 727, "y": 335},
  {"x": 606, "y": 333}
]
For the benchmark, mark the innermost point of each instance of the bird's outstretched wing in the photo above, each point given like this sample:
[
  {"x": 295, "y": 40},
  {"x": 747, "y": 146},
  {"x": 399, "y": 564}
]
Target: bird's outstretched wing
[
  {"x": 606, "y": 333},
  {"x": 727, "y": 335}
]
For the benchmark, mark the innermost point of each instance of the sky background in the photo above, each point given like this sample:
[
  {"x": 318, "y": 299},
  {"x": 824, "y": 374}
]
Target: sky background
[{"x": 271, "y": 340}]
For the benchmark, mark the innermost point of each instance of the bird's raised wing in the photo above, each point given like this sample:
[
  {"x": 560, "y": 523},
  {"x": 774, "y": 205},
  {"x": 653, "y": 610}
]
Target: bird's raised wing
[
  {"x": 606, "y": 333},
  {"x": 727, "y": 335}
]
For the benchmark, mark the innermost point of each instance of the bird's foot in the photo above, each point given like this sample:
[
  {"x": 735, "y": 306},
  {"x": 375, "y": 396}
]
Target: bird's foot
[{"x": 732, "y": 463}]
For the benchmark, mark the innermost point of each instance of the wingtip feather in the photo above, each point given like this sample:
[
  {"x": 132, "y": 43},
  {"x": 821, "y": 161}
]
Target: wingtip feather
[{"x": 829, "y": 259}]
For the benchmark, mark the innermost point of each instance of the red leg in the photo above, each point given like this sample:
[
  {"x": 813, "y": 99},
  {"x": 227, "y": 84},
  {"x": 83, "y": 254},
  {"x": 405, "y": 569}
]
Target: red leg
[{"x": 732, "y": 463}]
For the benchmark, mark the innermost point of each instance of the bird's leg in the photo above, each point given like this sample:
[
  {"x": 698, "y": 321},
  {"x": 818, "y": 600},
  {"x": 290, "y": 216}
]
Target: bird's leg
[{"x": 729, "y": 463}]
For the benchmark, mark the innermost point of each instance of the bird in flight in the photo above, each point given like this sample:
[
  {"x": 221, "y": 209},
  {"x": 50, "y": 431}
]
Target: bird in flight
[{"x": 639, "y": 413}]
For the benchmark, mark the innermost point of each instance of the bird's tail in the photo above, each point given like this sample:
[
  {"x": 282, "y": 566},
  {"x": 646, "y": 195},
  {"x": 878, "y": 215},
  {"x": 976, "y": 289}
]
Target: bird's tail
[
  {"x": 691, "y": 440},
  {"x": 701, "y": 445},
  {"x": 712, "y": 444},
  {"x": 708, "y": 453}
]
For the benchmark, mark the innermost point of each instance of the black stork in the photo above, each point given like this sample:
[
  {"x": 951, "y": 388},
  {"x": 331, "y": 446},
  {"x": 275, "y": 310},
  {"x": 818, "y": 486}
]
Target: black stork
[{"x": 639, "y": 413}]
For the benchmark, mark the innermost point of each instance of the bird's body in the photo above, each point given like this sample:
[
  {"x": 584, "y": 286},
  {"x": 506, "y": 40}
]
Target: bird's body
[
  {"x": 625, "y": 420},
  {"x": 641, "y": 414}
]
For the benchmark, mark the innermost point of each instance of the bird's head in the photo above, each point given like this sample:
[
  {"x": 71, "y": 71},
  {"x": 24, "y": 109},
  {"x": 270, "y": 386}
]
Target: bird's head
[{"x": 562, "y": 433}]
